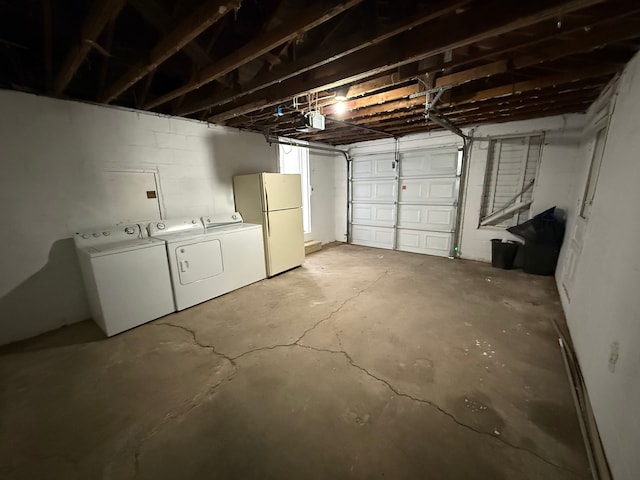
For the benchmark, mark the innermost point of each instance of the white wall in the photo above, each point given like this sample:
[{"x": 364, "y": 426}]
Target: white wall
[
  {"x": 552, "y": 187},
  {"x": 54, "y": 153},
  {"x": 603, "y": 312}
]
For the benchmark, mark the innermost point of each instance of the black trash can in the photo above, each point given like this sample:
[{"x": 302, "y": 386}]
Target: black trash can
[
  {"x": 503, "y": 253},
  {"x": 540, "y": 258}
]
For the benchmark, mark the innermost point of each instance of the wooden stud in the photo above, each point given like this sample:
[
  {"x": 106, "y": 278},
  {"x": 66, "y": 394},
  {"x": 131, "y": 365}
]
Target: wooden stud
[
  {"x": 420, "y": 43},
  {"x": 187, "y": 30},
  {"x": 313, "y": 17},
  {"x": 100, "y": 14}
]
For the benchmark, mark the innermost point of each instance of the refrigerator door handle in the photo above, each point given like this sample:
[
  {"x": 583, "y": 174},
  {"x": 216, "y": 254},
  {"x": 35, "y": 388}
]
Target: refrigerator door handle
[
  {"x": 266, "y": 194},
  {"x": 268, "y": 226}
]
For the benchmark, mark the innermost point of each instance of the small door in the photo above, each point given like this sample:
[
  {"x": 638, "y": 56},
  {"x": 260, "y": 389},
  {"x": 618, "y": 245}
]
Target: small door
[
  {"x": 132, "y": 196},
  {"x": 198, "y": 261},
  {"x": 281, "y": 191},
  {"x": 284, "y": 240}
]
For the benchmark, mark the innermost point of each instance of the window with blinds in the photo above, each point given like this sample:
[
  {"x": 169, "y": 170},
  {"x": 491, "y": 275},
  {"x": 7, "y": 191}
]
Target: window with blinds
[{"x": 512, "y": 165}]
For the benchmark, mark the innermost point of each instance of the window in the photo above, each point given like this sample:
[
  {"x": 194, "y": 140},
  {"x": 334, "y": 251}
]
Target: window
[
  {"x": 596, "y": 151},
  {"x": 296, "y": 160},
  {"x": 512, "y": 165}
]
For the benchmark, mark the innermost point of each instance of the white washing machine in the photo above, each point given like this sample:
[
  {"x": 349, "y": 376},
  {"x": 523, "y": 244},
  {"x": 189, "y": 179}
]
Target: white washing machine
[
  {"x": 126, "y": 276},
  {"x": 207, "y": 262}
]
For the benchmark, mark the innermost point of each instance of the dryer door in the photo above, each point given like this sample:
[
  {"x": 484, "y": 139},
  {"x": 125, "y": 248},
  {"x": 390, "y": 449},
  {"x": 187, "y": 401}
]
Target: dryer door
[{"x": 198, "y": 261}]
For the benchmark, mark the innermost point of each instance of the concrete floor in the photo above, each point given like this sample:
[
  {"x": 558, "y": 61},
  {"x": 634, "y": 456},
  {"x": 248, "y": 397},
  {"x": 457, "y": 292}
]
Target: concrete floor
[{"x": 364, "y": 363}]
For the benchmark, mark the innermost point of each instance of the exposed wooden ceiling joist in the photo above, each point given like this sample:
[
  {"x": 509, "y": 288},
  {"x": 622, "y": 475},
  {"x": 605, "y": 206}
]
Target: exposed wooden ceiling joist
[
  {"x": 420, "y": 43},
  {"x": 100, "y": 14},
  {"x": 264, "y": 43},
  {"x": 185, "y": 32},
  {"x": 163, "y": 22},
  {"x": 492, "y": 62},
  {"x": 323, "y": 56}
]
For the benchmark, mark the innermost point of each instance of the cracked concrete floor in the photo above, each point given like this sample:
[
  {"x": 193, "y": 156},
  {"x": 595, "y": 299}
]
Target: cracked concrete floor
[{"x": 364, "y": 363}]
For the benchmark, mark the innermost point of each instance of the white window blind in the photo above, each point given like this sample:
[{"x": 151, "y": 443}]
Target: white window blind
[{"x": 512, "y": 164}]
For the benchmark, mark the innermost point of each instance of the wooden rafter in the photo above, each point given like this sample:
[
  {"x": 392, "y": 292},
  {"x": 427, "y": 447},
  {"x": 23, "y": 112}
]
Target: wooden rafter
[
  {"x": 621, "y": 30},
  {"x": 312, "y": 17},
  {"x": 47, "y": 44},
  {"x": 100, "y": 14},
  {"x": 192, "y": 26},
  {"x": 421, "y": 42},
  {"x": 326, "y": 55},
  {"x": 104, "y": 68}
]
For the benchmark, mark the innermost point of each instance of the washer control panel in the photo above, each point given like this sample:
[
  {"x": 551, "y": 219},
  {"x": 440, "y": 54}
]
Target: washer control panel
[
  {"x": 170, "y": 226},
  {"x": 212, "y": 221},
  {"x": 109, "y": 234}
]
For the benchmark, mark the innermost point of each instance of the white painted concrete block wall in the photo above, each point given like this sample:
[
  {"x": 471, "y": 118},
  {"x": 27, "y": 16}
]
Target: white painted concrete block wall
[
  {"x": 552, "y": 186},
  {"x": 604, "y": 310},
  {"x": 53, "y": 156}
]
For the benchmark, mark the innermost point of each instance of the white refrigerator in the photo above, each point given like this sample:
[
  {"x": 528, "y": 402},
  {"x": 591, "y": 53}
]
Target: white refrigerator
[{"x": 274, "y": 200}]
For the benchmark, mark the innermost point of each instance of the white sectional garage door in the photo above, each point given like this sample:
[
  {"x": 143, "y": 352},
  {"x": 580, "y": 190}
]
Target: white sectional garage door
[{"x": 408, "y": 205}]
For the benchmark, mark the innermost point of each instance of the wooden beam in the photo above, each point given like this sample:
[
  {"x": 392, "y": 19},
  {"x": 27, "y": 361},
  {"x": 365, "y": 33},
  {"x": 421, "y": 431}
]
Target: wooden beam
[
  {"x": 104, "y": 68},
  {"x": 312, "y": 17},
  {"x": 162, "y": 21},
  {"x": 145, "y": 89},
  {"x": 536, "y": 84},
  {"x": 622, "y": 29},
  {"x": 187, "y": 30},
  {"x": 420, "y": 43},
  {"x": 100, "y": 14},
  {"x": 324, "y": 56},
  {"x": 47, "y": 44}
]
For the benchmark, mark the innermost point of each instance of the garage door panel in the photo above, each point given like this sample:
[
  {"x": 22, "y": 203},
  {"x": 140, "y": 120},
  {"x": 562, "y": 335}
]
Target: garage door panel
[
  {"x": 368, "y": 236},
  {"x": 373, "y": 166},
  {"x": 440, "y": 218},
  {"x": 429, "y": 163},
  {"x": 431, "y": 243},
  {"x": 368, "y": 214},
  {"x": 374, "y": 191},
  {"x": 429, "y": 190}
]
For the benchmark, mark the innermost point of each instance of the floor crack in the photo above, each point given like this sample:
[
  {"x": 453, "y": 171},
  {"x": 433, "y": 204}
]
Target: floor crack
[
  {"x": 311, "y": 328},
  {"x": 437, "y": 407},
  {"x": 196, "y": 341},
  {"x": 173, "y": 415}
]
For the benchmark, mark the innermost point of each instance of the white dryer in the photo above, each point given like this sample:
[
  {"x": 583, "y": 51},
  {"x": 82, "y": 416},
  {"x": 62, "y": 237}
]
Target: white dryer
[
  {"x": 242, "y": 248},
  {"x": 208, "y": 262},
  {"x": 126, "y": 276}
]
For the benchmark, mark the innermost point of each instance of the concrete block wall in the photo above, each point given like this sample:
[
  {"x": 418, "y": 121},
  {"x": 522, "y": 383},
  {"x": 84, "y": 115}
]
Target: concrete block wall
[
  {"x": 603, "y": 308},
  {"x": 556, "y": 171},
  {"x": 54, "y": 153}
]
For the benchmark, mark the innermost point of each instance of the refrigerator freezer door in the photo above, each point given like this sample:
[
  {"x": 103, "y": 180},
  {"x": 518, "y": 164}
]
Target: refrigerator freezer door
[
  {"x": 281, "y": 191},
  {"x": 284, "y": 240}
]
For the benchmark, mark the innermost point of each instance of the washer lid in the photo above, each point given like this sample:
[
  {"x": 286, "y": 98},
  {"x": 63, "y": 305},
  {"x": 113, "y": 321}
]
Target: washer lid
[{"x": 121, "y": 247}]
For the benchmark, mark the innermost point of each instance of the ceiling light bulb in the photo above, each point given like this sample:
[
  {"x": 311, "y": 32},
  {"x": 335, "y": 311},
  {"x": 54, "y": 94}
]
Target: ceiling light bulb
[
  {"x": 341, "y": 98},
  {"x": 340, "y": 107}
]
